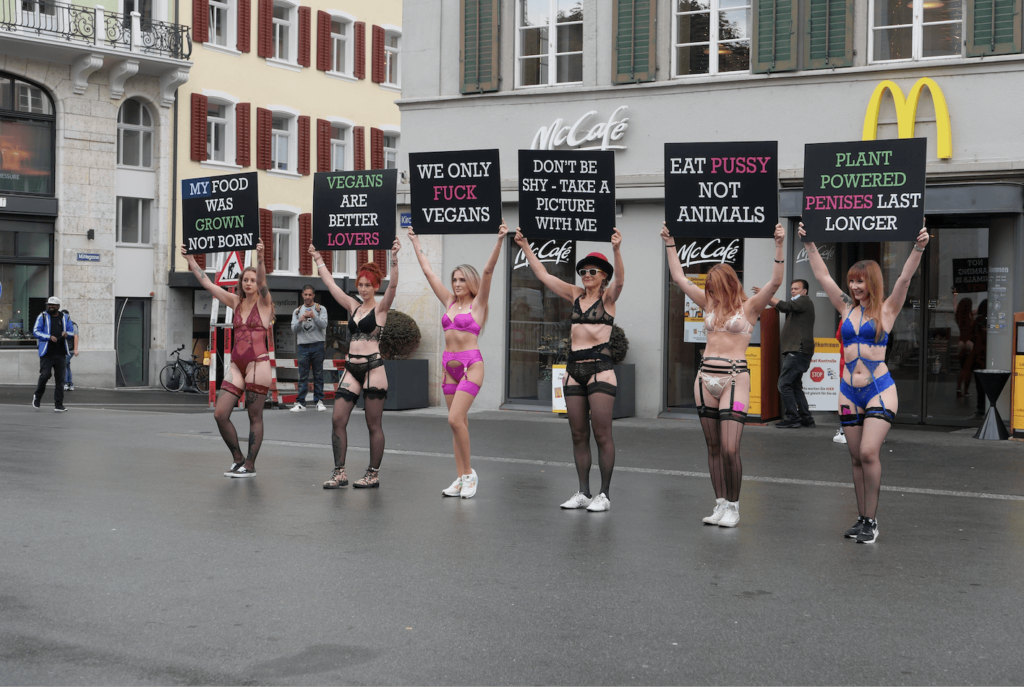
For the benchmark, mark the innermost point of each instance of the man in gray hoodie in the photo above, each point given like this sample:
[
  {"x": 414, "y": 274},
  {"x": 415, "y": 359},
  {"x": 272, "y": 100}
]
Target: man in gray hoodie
[{"x": 309, "y": 323}]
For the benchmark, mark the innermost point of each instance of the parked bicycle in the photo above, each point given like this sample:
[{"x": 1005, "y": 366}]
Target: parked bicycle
[{"x": 187, "y": 375}]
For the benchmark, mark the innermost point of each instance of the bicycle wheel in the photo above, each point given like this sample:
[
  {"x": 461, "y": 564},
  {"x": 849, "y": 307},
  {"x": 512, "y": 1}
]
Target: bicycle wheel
[
  {"x": 171, "y": 377},
  {"x": 203, "y": 379}
]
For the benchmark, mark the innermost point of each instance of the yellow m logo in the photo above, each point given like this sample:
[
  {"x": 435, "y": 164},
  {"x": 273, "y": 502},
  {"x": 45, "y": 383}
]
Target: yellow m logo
[{"x": 906, "y": 113}]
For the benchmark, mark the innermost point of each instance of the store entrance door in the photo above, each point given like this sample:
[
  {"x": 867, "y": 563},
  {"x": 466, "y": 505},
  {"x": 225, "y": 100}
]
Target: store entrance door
[{"x": 131, "y": 334}]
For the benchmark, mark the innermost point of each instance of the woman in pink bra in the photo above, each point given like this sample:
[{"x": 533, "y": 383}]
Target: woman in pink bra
[
  {"x": 729, "y": 318},
  {"x": 250, "y": 360},
  {"x": 465, "y": 313}
]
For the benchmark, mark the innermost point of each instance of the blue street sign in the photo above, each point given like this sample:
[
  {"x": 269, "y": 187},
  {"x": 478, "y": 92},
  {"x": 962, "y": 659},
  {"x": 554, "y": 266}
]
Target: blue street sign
[
  {"x": 88, "y": 257},
  {"x": 406, "y": 218}
]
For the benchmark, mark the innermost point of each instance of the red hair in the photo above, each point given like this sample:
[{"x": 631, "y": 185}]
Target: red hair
[
  {"x": 871, "y": 274},
  {"x": 373, "y": 273},
  {"x": 723, "y": 288}
]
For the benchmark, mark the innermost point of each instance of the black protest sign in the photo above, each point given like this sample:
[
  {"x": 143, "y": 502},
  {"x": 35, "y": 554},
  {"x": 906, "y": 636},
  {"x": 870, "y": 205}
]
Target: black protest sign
[
  {"x": 864, "y": 190},
  {"x": 220, "y": 213},
  {"x": 970, "y": 275},
  {"x": 722, "y": 189},
  {"x": 455, "y": 192},
  {"x": 567, "y": 194},
  {"x": 354, "y": 210}
]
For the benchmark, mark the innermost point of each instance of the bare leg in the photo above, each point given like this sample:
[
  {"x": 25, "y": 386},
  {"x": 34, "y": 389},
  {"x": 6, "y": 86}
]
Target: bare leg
[{"x": 458, "y": 420}]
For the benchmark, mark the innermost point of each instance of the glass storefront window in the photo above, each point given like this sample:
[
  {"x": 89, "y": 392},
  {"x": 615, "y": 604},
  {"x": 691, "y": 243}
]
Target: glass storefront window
[
  {"x": 25, "y": 290},
  {"x": 32, "y": 245},
  {"x": 27, "y": 125}
]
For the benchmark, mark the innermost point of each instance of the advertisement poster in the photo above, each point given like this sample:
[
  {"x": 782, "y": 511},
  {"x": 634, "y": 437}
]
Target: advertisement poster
[
  {"x": 557, "y": 397},
  {"x": 864, "y": 190},
  {"x": 694, "y": 327},
  {"x": 821, "y": 381},
  {"x": 355, "y": 210},
  {"x": 567, "y": 194},
  {"x": 26, "y": 156},
  {"x": 754, "y": 364},
  {"x": 970, "y": 275},
  {"x": 220, "y": 214},
  {"x": 455, "y": 192},
  {"x": 722, "y": 189},
  {"x": 1017, "y": 414}
]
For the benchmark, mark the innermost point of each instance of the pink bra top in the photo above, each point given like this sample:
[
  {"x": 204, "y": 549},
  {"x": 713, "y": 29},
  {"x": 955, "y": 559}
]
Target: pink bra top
[
  {"x": 737, "y": 324},
  {"x": 461, "y": 323}
]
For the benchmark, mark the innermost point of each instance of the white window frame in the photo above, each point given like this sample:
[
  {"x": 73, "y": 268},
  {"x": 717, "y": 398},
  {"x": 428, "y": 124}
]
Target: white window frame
[
  {"x": 290, "y": 60},
  {"x": 349, "y": 22},
  {"x": 117, "y": 228},
  {"x": 143, "y": 130},
  {"x": 292, "y": 214},
  {"x": 230, "y": 28},
  {"x": 392, "y": 56},
  {"x": 230, "y": 131},
  {"x": 713, "y": 39},
  {"x": 552, "y": 53},
  {"x": 397, "y": 133},
  {"x": 291, "y": 116},
  {"x": 917, "y": 35},
  {"x": 349, "y": 268},
  {"x": 347, "y": 125}
]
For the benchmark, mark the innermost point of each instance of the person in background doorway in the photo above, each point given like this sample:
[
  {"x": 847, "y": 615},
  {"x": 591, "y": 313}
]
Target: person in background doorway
[
  {"x": 964, "y": 317},
  {"x": 309, "y": 324},
  {"x": 979, "y": 352},
  {"x": 52, "y": 331},
  {"x": 69, "y": 384},
  {"x": 797, "y": 351}
]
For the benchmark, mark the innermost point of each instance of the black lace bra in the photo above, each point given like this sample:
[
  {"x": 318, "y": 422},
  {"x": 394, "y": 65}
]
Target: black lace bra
[
  {"x": 595, "y": 314},
  {"x": 365, "y": 329}
]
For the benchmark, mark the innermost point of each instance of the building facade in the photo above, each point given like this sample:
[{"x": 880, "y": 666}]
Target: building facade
[
  {"x": 632, "y": 75},
  {"x": 87, "y": 99}
]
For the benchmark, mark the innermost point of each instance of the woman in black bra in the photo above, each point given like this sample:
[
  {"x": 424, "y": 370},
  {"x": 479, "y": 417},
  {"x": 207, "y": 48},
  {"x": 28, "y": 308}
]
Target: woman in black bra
[
  {"x": 590, "y": 384},
  {"x": 364, "y": 368}
]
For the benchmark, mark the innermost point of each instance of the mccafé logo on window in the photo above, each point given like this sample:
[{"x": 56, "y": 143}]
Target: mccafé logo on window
[{"x": 906, "y": 113}]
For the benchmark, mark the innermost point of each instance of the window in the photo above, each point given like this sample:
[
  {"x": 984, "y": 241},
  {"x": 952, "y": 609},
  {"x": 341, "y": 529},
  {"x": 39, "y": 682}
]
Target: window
[
  {"x": 703, "y": 46},
  {"x": 282, "y": 225},
  {"x": 133, "y": 220},
  {"x": 39, "y": 13},
  {"x": 280, "y": 139},
  {"x": 392, "y": 74},
  {"x": 915, "y": 30},
  {"x": 339, "y": 158},
  {"x": 390, "y": 151},
  {"x": 216, "y": 131},
  {"x": 341, "y": 262},
  {"x": 341, "y": 47},
  {"x": 283, "y": 33},
  {"x": 219, "y": 15},
  {"x": 549, "y": 32},
  {"x": 134, "y": 135},
  {"x": 27, "y": 125}
]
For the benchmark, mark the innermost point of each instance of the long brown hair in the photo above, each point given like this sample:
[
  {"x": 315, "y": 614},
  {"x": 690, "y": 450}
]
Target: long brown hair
[
  {"x": 723, "y": 291},
  {"x": 871, "y": 274}
]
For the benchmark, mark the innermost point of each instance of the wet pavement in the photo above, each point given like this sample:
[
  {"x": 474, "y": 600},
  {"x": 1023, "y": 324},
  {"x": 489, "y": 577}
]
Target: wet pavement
[{"x": 129, "y": 559}]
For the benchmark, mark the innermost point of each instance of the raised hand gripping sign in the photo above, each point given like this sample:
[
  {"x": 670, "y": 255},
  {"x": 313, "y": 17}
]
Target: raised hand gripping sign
[
  {"x": 567, "y": 194},
  {"x": 354, "y": 210},
  {"x": 220, "y": 213},
  {"x": 455, "y": 192},
  {"x": 864, "y": 190},
  {"x": 722, "y": 189}
]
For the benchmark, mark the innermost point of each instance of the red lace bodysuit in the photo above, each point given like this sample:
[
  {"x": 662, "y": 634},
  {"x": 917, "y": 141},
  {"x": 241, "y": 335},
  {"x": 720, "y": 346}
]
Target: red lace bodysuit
[{"x": 250, "y": 339}]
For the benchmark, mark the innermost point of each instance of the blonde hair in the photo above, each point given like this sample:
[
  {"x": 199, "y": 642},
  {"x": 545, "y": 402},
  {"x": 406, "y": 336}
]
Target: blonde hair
[{"x": 472, "y": 281}]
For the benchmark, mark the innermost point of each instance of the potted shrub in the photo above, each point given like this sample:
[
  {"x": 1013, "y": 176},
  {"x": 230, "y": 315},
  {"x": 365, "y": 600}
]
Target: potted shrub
[
  {"x": 408, "y": 379},
  {"x": 625, "y": 375}
]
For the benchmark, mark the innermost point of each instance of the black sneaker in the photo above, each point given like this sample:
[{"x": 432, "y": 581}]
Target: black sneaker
[
  {"x": 35, "y": 401},
  {"x": 807, "y": 423},
  {"x": 60, "y": 409},
  {"x": 788, "y": 424},
  {"x": 868, "y": 532},
  {"x": 855, "y": 530}
]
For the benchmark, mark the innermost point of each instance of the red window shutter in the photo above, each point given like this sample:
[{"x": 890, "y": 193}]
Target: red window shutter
[
  {"x": 265, "y": 30},
  {"x": 243, "y": 128},
  {"x": 380, "y": 257},
  {"x": 360, "y": 49},
  {"x": 362, "y": 257},
  {"x": 323, "y": 145},
  {"x": 305, "y": 238},
  {"x": 377, "y": 68},
  {"x": 244, "y": 24},
  {"x": 199, "y": 107},
  {"x": 303, "y": 144},
  {"x": 267, "y": 236},
  {"x": 323, "y": 41},
  {"x": 305, "y": 22},
  {"x": 264, "y": 120},
  {"x": 328, "y": 258},
  {"x": 200, "y": 21},
  {"x": 376, "y": 149},
  {"x": 358, "y": 148},
  {"x": 200, "y": 260}
]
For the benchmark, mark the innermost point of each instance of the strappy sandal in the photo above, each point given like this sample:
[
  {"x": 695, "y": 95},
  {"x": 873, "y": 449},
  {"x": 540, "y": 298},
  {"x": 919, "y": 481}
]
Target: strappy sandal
[
  {"x": 338, "y": 480},
  {"x": 371, "y": 480}
]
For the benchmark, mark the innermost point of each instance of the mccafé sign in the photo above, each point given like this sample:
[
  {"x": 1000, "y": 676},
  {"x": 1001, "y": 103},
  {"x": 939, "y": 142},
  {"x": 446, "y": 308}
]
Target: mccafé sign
[
  {"x": 586, "y": 130},
  {"x": 906, "y": 113}
]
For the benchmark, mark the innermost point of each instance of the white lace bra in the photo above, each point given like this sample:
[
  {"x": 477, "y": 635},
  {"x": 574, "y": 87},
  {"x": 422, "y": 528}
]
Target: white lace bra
[{"x": 737, "y": 324}]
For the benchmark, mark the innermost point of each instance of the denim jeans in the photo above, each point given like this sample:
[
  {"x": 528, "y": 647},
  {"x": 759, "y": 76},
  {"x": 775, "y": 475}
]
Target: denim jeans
[
  {"x": 791, "y": 386},
  {"x": 52, "y": 365},
  {"x": 311, "y": 355},
  {"x": 67, "y": 372}
]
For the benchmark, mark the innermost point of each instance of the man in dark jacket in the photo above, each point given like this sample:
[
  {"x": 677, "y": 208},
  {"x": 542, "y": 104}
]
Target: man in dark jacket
[
  {"x": 52, "y": 330},
  {"x": 797, "y": 348}
]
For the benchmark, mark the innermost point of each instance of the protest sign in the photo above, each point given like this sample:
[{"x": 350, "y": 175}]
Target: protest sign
[
  {"x": 220, "y": 213},
  {"x": 567, "y": 194},
  {"x": 354, "y": 210},
  {"x": 455, "y": 192}
]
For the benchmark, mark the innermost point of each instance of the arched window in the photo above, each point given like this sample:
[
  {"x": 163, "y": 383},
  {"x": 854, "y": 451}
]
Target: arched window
[
  {"x": 27, "y": 125},
  {"x": 134, "y": 135}
]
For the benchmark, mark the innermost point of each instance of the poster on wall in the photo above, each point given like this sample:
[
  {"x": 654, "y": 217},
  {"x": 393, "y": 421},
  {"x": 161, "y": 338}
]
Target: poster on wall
[
  {"x": 693, "y": 329},
  {"x": 864, "y": 190},
  {"x": 220, "y": 213},
  {"x": 970, "y": 275},
  {"x": 722, "y": 189},
  {"x": 821, "y": 381},
  {"x": 455, "y": 192},
  {"x": 567, "y": 194},
  {"x": 354, "y": 210},
  {"x": 557, "y": 397}
]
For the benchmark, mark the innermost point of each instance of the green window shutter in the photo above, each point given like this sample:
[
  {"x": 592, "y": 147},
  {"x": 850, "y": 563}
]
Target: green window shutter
[
  {"x": 828, "y": 42},
  {"x": 773, "y": 43},
  {"x": 993, "y": 27},
  {"x": 634, "y": 31},
  {"x": 479, "y": 58}
]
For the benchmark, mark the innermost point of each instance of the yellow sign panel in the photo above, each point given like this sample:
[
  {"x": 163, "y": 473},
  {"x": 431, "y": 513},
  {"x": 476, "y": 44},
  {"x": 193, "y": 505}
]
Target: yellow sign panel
[
  {"x": 906, "y": 113},
  {"x": 754, "y": 363},
  {"x": 826, "y": 344},
  {"x": 1017, "y": 419}
]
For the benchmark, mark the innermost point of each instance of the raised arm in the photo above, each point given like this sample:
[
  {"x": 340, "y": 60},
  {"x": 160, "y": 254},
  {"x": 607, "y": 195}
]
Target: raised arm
[
  {"x": 760, "y": 300},
  {"x": 675, "y": 270},
  {"x": 220, "y": 294},
  {"x": 894, "y": 303},
  {"x": 614, "y": 290},
  {"x": 261, "y": 277},
  {"x": 389, "y": 294},
  {"x": 346, "y": 301},
  {"x": 438, "y": 287},
  {"x": 556, "y": 285},
  {"x": 480, "y": 300},
  {"x": 820, "y": 269}
]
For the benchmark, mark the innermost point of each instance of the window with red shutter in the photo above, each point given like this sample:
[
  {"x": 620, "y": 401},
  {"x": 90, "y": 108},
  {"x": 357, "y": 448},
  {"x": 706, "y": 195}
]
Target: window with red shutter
[
  {"x": 267, "y": 236},
  {"x": 201, "y": 260},
  {"x": 376, "y": 149},
  {"x": 199, "y": 108},
  {"x": 358, "y": 148},
  {"x": 265, "y": 30},
  {"x": 200, "y": 21},
  {"x": 323, "y": 41},
  {"x": 243, "y": 130},
  {"x": 328, "y": 258},
  {"x": 305, "y": 238},
  {"x": 360, "y": 67},
  {"x": 244, "y": 24},
  {"x": 303, "y": 145},
  {"x": 305, "y": 25},
  {"x": 264, "y": 121},
  {"x": 378, "y": 257},
  {"x": 377, "y": 70},
  {"x": 323, "y": 146}
]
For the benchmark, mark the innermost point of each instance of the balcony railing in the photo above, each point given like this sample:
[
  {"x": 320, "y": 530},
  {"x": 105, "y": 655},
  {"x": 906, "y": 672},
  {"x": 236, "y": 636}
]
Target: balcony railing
[{"x": 78, "y": 25}]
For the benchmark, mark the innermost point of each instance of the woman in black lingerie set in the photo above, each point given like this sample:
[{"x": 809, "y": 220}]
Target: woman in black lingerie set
[
  {"x": 590, "y": 383},
  {"x": 364, "y": 368},
  {"x": 722, "y": 388}
]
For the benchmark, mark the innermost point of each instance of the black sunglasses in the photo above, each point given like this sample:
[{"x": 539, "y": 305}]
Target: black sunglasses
[{"x": 593, "y": 272}]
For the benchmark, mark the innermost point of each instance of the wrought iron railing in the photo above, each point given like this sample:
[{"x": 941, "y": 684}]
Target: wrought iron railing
[{"x": 77, "y": 24}]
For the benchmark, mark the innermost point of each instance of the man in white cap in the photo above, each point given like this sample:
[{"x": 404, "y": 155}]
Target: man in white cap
[{"x": 52, "y": 330}]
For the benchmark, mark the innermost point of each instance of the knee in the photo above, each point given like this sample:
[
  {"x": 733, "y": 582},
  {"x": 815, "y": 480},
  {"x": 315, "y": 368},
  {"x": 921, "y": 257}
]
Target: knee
[
  {"x": 866, "y": 457},
  {"x": 603, "y": 435},
  {"x": 222, "y": 416},
  {"x": 580, "y": 436},
  {"x": 458, "y": 423}
]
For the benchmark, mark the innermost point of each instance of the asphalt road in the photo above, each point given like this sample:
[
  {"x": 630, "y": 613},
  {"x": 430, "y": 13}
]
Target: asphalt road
[{"x": 129, "y": 559}]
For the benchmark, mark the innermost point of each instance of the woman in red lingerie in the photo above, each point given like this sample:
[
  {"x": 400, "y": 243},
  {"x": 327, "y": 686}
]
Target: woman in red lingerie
[{"x": 250, "y": 359}]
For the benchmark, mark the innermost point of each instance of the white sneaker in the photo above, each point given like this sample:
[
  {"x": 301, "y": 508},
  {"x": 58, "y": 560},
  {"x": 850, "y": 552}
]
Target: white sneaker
[
  {"x": 717, "y": 513},
  {"x": 298, "y": 408},
  {"x": 730, "y": 514},
  {"x": 599, "y": 504},
  {"x": 320, "y": 407},
  {"x": 469, "y": 483},
  {"x": 455, "y": 489},
  {"x": 578, "y": 500},
  {"x": 839, "y": 438}
]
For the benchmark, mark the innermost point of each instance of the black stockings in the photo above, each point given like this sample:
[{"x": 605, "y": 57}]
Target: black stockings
[
  {"x": 600, "y": 411},
  {"x": 254, "y": 403},
  {"x": 339, "y": 436},
  {"x": 222, "y": 414},
  {"x": 339, "y": 433},
  {"x": 723, "y": 437}
]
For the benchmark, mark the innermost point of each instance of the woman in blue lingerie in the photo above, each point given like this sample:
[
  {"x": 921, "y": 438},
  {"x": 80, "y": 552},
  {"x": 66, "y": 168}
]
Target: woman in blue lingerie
[{"x": 867, "y": 392}]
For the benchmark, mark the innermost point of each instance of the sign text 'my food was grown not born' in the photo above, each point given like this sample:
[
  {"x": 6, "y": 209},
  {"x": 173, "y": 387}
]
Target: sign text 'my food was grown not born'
[
  {"x": 220, "y": 213},
  {"x": 354, "y": 210}
]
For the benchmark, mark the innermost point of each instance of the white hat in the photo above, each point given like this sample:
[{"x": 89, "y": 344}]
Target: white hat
[{"x": 53, "y": 300}]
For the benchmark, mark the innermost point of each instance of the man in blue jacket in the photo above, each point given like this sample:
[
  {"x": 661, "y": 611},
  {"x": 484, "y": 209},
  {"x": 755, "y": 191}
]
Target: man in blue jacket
[{"x": 52, "y": 330}]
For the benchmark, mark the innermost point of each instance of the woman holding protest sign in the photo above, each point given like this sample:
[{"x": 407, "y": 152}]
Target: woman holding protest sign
[
  {"x": 589, "y": 385},
  {"x": 722, "y": 388},
  {"x": 364, "y": 368},
  {"x": 867, "y": 392},
  {"x": 250, "y": 358},
  {"x": 465, "y": 314}
]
